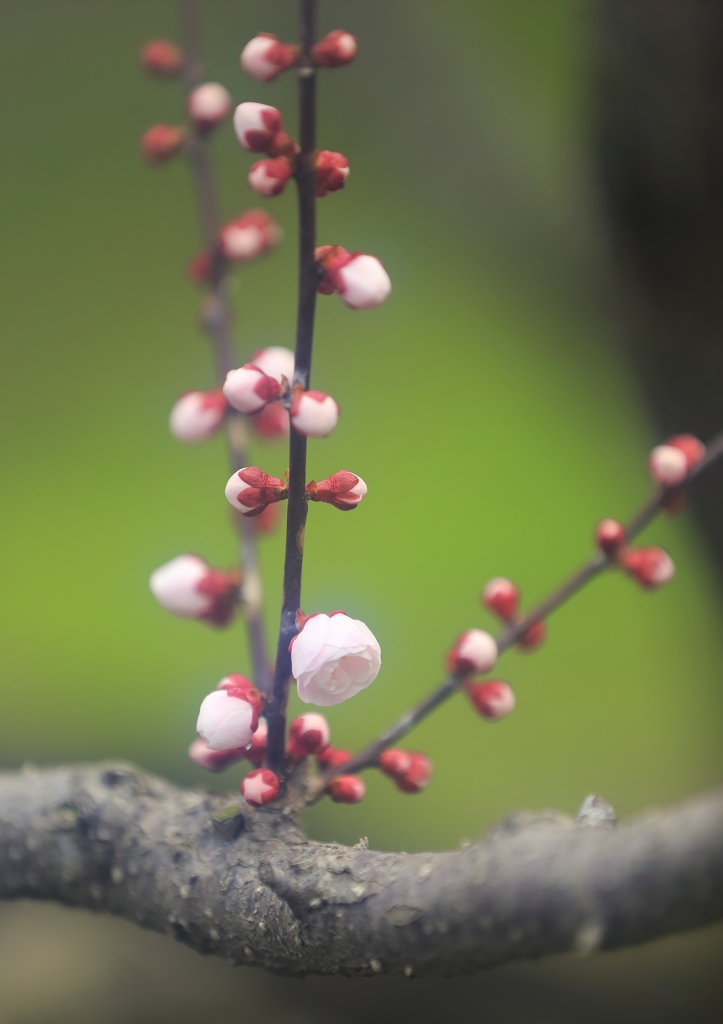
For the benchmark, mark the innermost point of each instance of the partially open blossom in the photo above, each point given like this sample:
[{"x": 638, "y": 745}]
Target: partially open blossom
[
  {"x": 260, "y": 787},
  {"x": 249, "y": 389},
  {"x": 501, "y": 597},
  {"x": 361, "y": 280},
  {"x": 251, "y": 490},
  {"x": 332, "y": 170},
  {"x": 650, "y": 566},
  {"x": 264, "y": 57},
  {"x": 668, "y": 465},
  {"x": 493, "y": 700},
  {"x": 188, "y": 587},
  {"x": 249, "y": 236},
  {"x": 272, "y": 423},
  {"x": 610, "y": 537},
  {"x": 227, "y": 719},
  {"x": 333, "y": 658},
  {"x": 335, "y": 49},
  {"x": 276, "y": 360},
  {"x": 475, "y": 651},
  {"x": 255, "y": 752},
  {"x": 197, "y": 415},
  {"x": 308, "y": 734},
  {"x": 343, "y": 490},
  {"x": 213, "y": 760},
  {"x": 333, "y": 757},
  {"x": 690, "y": 446},
  {"x": 313, "y": 413},
  {"x": 161, "y": 57},
  {"x": 163, "y": 141},
  {"x": 208, "y": 105},
  {"x": 199, "y": 268},
  {"x": 255, "y": 125},
  {"x": 533, "y": 637},
  {"x": 347, "y": 789},
  {"x": 269, "y": 177}
]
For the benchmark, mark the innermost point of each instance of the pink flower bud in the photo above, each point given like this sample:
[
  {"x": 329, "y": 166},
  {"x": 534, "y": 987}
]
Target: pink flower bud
[
  {"x": 264, "y": 57},
  {"x": 251, "y": 490},
  {"x": 668, "y": 465},
  {"x": 249, "y": 389},
  {"x": 275, "y": 360},
  {"x": 417, "y": 777},
  {"x": 347, "y": 789},
  {"x": 188, "y": 587},
  {"x": 163, "y": 141},
  {"x": 260, "y": 787},
  {"x": 272, "y": 423},
  {"x": 308, "y": 734},
  {"x": 313, "y": 413},
  {"x": 333, "y": 757},
  {"x": 213, "y": 760},
  {"x": 333, "y": 658},
  {"x": 255, "y": 125},
  {"x": 475, "y": 651},
  {"x": 690, "y": 446},
  {"x": 335, "y": 49},
  {"x": 610, "y": 536},
  {"x": 161, "y": 57},
  {"x": 395, "y": 763},
  {"x": 493, "y": 700},
  {"x": 501, "y": 597},
  {"x": 227, "y": 719},
  {"x": 208, "y": 105},
  {"x": 650, "y": 567},
  {"x": 197, "y": 415},
  {"x": 332, "y": 170},
  {"x": 249, "y": 236},
  {"x": 255, "y": 752},
  {"x": 269, "y": 177},
  {"x": 343, "y": 490},
  {"x": 532, "y": 638}
]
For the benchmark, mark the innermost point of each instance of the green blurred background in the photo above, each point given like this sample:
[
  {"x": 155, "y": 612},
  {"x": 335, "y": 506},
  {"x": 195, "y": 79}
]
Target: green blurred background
[{"x": 488, "y": 405}]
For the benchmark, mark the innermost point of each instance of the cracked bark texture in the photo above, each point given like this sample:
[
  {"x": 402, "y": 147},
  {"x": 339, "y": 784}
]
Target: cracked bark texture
[{"x": 249, "y": 886}]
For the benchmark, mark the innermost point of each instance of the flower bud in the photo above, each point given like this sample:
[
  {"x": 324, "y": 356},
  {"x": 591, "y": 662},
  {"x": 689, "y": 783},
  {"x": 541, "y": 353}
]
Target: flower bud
[
  {"x": 213, "y": 760},
  {"x": 249, "y": 389},
  {"x": 332, "y": 170},
  {"x": 313, "y": 413},
  {"x": 275, "y": 360},
  {"x": 610, "y": 536},
  {"x": 200, "y": 267},
  {"x": 334, "y": 50},
  {"x": 208, "y": 105},
  {"x": 272, "y": 423},
  {"x": 475, "y": 651},
  {"x": 650, "y": 567},
  {"x": 163, "y": 141},
  {"x": 346, "y": 789},
  {"x": 668, "y": 465},
  {"x": 308, "y": 734},
  {"x": 255, "y": 125},
  {"x": 690, "y": 446},
  {"x": 395, "y": 763},
  {"x": 493, "y": 700},
  {"x": 197, "y": 415},
  {"x": 227, "y": 719},
  {"x": 161, "y": 57},
  {"x": 361, "y": 280},
  {"x": 251, "y": 490},
  {"x": 264, "y": 57},
  {"x": 333, "y": 757},
  {"x": 418, "y": 775},
  {"x": 249, "y": 236},
  {"x": 188, "y": 587},
  {"x": 501, "y": 597},
  {"x": 333, "y": 658},
  {"x": 532, "y": 638},
  {"x": 269, "y": 177},
  {"x": 255, "y": 752},
  {"x": 343, "y": 490},
  {"x": 260, "y": 787}
]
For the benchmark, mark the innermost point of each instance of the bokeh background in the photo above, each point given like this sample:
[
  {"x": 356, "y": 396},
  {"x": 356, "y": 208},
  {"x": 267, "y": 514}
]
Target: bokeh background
[{"x": 494, "y": 406}]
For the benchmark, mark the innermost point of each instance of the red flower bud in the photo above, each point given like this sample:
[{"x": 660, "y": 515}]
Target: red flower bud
[
  {"x": 334, "y": 50},
  {"x": 251, "y": 490},
  {"x": 650, "y": 567},
  {"x": 333, "y": 757},
  {"x": 418, "y": 775},
  {"x": 249, "y": 236},
  {"x": 268, "y": 520},
  {"x": 395, "y": 763},
  {"x": 272, "y": 423},
  {"x": 610, "y": 537},
  {"x": 264, "y": 57},
  {"x": 343, "y": 490},
  {"x": 255, "y": 752},
  {"x": 161, "y": 57},
  {"x": 347, "y": 789},
  {"x": 532, "y": 638},
  {"x": 501, "y": 597},
  {"x": 308, "y": 734},
  {"x": 163, "y": 141},
  {"x": 332, "y": 170},
  {"x": 493, "y": 700},
  {"x": 269, "y": 177},
  {"x": 690, "y": 446},
  {"x": 260, "y": 787}
]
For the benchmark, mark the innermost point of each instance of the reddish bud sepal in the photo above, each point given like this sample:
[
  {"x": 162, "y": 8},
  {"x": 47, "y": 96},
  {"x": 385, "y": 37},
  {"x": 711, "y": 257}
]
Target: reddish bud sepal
[
  {"x": 493, "y": 700},
  {"x": 260, "y": 787},
  {"x": 308, "y": 734},
  {"x": 690, "y": 446},
  {"x": 346, "y": 789},
  {"x": 532, "y": 638},
  {"x": 272, "y": 423},
  {"x": 208, "y": 104},
  {"x": 197, "y": 415},
  {"x": 255, "y": 752},
  {"x": 161, "y": 57},
  {"x": 251, "y": 490},
  {"x": 269, "y": 177},
  {"x": 188, "y": 587},
  {"x": 163, "y": 141},
  {"x": 249, "y": 236},
  {"x": 501, "y": 597},
  {"x": 333, "y": 757},
  {"x": 200, "y": 268},
  {"x": 259, "y": 129},
  {"x": 264, "y": 57},
  {"x": 343, "y": 490},
  {"x": 213, "y": 760},
  {"x": 610, "y": 537},
  {"x": 650, "y": 567},
  {"x": 332, "y": 170},
  {"x": 235, "y": 681},
  {"x": 249, "y": 389},
  {"x": 334, "y": 50},
  {"x": 475, "y": 651},
  {"x": 360, "y": 279},
  {"x": 313, "y": 413}
]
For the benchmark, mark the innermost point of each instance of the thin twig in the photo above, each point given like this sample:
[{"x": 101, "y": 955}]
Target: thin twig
[
  {"x": 308, "y": 280},
  {"x": 597, "y": 564},
  {"x": 217, "y": 322}
]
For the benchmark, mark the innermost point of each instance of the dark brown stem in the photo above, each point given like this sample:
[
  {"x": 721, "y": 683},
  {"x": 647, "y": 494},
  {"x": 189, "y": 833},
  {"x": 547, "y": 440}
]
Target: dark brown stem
[
  {"x": 217, "y": 323},
  {"x": 597, "y": 564},
  {"x": 308, "y": 280}
]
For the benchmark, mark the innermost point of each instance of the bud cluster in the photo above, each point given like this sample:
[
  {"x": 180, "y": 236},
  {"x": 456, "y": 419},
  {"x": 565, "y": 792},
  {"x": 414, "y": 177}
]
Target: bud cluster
[
  {"x": 650, "y": 567},
  {"x": 502, "y": 598},
  {"x": 265, "y": 56},
  {"x": 410, "y": 770}
]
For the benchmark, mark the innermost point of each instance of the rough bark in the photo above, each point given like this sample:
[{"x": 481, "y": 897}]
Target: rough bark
[{"x": 249, "y": 886}]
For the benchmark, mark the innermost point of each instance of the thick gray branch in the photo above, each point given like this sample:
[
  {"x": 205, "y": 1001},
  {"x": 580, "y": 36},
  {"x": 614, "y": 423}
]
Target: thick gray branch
[{"x": 249, "y": 886}]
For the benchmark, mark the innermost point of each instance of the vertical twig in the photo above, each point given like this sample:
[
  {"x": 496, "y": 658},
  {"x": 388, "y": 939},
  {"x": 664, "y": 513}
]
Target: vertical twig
[
  {"x": 217, "y": 323},
  {"x": 308, "y": 280}
]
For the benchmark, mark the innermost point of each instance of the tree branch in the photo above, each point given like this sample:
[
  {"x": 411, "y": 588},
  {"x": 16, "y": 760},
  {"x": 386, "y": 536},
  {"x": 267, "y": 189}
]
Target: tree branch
[{"x": 249, "y": 886}]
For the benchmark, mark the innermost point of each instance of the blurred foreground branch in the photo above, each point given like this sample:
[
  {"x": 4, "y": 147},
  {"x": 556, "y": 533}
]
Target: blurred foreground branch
[{"x": 249, "y": 886}]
